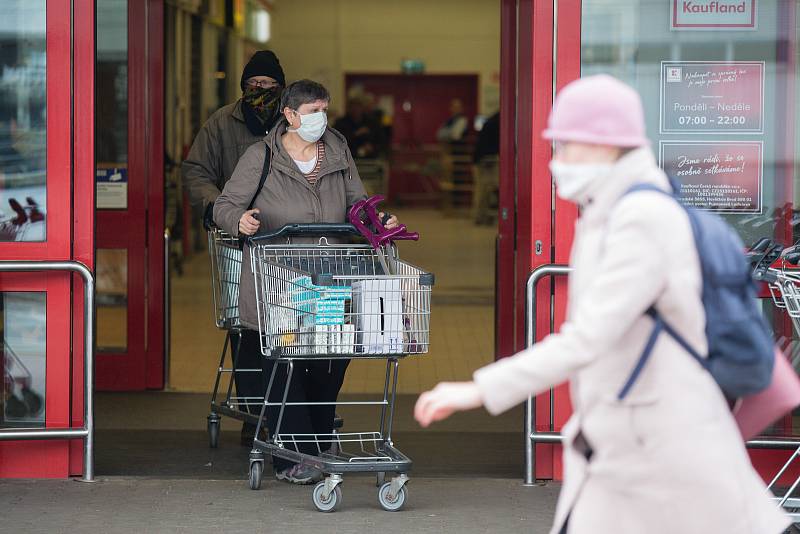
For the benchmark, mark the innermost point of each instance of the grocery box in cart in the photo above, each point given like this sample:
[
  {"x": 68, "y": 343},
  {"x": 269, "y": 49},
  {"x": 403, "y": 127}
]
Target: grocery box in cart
[{"x": 378, "y": 316}]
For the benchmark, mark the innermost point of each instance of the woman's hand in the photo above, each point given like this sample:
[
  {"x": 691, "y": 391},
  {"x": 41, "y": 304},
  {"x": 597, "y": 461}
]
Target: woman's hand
[
  {"x": 248, "y": 223},
  {"x": 391, "y": 223},
  {"x": 445, "y": 399}
]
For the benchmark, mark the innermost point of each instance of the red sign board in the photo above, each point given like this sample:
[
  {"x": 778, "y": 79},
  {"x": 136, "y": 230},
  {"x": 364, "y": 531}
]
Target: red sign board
[
  {"x": 713, "y": 15},
  {"x": 717, "y": 96},
  {"x": 725, "y": 177}
]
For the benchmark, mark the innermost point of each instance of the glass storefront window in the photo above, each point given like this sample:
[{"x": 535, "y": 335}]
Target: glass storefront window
[
  {"x": 23, "y": 120},
  {"x": 112, "y": 300},
  {"x": 720, "y": 96},
  {"x": 23, "y": 316},
  {"x": 716, "y": 90},
  {"x": 112, "y": 104}
]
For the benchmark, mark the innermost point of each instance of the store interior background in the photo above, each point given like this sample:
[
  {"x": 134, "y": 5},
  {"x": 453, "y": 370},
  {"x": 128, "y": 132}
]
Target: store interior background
[{"x": 422, "y": 55}]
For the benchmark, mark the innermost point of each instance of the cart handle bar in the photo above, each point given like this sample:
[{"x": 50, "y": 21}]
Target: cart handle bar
[{"x": 293, "y": 230}]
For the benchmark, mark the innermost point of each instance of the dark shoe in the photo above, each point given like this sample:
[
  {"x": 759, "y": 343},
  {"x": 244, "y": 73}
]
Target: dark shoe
[
  {"x": 300, "y": 474},
  {"x": 248, "y": 434}
]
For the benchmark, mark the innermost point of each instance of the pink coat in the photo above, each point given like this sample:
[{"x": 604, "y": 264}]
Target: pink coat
[{"x": 669, "y": 458}]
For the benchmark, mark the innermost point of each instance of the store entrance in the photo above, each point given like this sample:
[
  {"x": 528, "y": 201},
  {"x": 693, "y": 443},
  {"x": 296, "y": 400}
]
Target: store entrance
[
  {"x": 393, "y": 110},
  {"x": 432, "y": 114}
]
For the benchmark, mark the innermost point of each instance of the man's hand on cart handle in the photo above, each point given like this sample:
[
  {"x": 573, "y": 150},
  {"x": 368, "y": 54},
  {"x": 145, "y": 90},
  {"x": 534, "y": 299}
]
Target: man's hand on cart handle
[
  {"x": 445, "y": 399},
  {"x": 249, "y": 223}
]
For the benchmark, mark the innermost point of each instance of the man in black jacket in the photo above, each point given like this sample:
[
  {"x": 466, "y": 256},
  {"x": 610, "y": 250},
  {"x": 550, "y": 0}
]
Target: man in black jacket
[{"x": 214, "y": 154}]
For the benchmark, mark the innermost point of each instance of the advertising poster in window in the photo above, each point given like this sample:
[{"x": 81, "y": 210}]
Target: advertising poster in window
[
  {"x": 718, "y": 96},
  {"x": 719, "y": 176}
]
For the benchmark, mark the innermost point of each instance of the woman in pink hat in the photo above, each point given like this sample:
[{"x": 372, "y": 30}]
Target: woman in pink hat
[{"x": 668, "y": 458}]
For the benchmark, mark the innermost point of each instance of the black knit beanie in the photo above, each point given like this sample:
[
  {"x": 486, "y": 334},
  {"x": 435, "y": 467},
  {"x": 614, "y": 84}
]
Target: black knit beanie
[{"x": 263, "y": 63}]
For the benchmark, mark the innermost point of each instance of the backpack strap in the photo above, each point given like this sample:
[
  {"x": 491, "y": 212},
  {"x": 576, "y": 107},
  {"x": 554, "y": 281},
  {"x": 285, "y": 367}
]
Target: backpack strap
[
  {"x": 264, "y": 173},
  {"x": 660, "y": 324},
  {"x": 648, "y": 350}
]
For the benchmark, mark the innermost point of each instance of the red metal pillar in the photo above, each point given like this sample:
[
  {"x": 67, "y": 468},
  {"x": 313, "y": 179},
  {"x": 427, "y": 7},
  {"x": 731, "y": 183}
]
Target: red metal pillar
[{"x": 83, "y": 50}]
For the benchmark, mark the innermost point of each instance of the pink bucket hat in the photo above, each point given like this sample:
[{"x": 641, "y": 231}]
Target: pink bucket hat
[{"x": 598, "y": 110}]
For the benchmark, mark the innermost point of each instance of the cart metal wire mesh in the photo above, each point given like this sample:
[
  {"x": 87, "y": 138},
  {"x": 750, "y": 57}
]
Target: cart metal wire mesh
[
  {"x": 785, "y": 291},
  {"x": 225, "y": 252},
  {"x": 338, "y": 301},
  {"x": 784, "y": 286}
]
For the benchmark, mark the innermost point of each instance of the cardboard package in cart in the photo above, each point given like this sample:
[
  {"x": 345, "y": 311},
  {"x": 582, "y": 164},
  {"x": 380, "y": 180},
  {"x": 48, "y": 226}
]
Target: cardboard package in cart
[{"x": 378, "y": 316}]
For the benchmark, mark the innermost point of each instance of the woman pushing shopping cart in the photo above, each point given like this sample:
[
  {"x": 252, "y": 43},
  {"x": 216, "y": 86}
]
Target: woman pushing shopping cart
[
  {"x": 303, "y": 172},
  {"x": 269, "y": 189}
]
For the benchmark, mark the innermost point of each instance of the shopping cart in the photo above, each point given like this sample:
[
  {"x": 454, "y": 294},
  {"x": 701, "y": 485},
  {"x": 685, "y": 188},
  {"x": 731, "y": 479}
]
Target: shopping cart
[
  {"x": 779, "y": 269},
  {"x": 328, "y": 300},
  {"x": 226, "y": 266}
]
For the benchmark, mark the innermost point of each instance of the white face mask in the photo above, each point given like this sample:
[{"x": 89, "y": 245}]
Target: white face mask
[
  {"x": 573, "y": 180},
  {"x": 312, "y": 126}
]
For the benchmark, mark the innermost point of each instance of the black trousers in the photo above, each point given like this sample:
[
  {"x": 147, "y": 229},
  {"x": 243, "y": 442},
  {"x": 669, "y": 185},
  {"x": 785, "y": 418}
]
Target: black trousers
[
  {"x": 312, "y": 381},
  {"x": 246, "y": 350}
]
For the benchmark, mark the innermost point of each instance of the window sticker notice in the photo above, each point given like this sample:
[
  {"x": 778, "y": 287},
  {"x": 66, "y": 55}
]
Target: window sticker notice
[
  {"x": 719, "y": 176},
  {"x": 112, "y": 187},
  {"x": 720, "y": 97}
]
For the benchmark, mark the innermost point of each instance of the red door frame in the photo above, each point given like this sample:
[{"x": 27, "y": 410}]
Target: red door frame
[
  {"x": 50, "y": 458},
  {"x": 83, "y": 54},
  {"x": 526, "y": 239},
  {"x": 154, "y": 141},
  {"x": 568, "y": 68},
  {"x": 505, "y": 279},
  {"x": 139, "y": 229}
]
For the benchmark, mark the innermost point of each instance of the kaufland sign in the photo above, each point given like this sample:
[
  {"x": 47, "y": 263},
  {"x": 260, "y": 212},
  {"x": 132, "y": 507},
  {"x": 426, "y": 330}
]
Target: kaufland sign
[{"x": 728, "y": 15}]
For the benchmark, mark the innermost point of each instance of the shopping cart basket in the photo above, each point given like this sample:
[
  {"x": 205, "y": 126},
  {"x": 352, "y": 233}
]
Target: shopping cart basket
[
  {"x": 225, "y": 252},
  {"x": 778, "y": 268},
  {"x": 338, "y": 301}
]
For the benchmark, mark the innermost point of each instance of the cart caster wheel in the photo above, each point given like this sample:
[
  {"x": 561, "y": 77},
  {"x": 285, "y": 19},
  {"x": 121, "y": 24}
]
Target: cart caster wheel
[
  {"x": 332, "y": 503},
  {"x": 380, "y": 479},
  {"x": 395, "y": 504},
  {"x": 256, "y": 474},
  {"x": 213, "y": 432}
]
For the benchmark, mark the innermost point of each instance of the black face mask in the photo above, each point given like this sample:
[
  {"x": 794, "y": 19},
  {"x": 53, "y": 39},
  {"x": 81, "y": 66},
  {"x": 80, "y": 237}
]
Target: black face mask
[{"x": 263, "y": 101}]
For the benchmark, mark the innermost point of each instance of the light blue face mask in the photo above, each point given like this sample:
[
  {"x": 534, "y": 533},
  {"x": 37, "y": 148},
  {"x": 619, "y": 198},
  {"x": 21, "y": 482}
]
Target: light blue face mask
[{"x": 312, "y": 126}]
